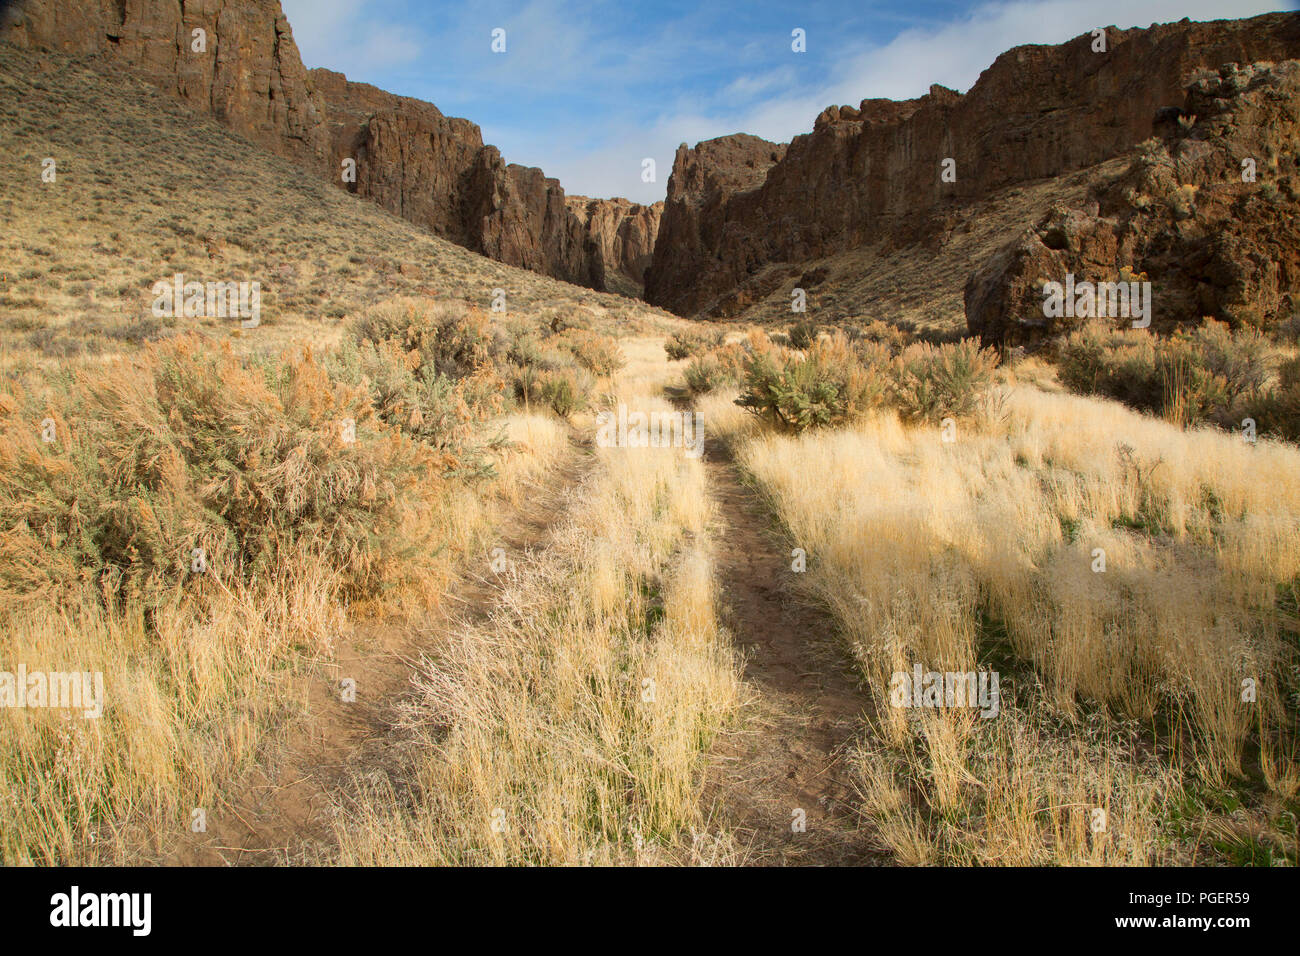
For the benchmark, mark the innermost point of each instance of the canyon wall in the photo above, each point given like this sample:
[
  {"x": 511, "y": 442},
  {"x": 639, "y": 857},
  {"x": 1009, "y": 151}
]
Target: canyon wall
[
  {"x": 249, "y": 75},
  {"x": 1208, "y": 214},
  {"x": 428, "y": 168},
  {"x": 873, "y": 172}
]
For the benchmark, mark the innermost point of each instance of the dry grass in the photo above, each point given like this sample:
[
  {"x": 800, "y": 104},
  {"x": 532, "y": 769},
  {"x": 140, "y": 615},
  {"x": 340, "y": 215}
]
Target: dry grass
[
  {"x": 79, "y": 256},
  {"x": 246, "y": 462},
  {"x": 192, "y": 688},
  {"x": 572, "y": 726},
  {"x": 185, "y": 444},
  {"x": 1117, "y": 686}
]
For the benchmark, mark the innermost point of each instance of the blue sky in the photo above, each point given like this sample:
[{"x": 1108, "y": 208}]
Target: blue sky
[{"x": 588, "y": 89}]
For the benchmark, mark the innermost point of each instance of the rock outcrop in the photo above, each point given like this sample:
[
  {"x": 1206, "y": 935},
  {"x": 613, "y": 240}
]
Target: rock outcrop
[
  {"x": 430, "y": 169},
  {"x": 1209, "y": 214},
  {"x": 621, "y": 237},
  {"x": 874, "y": 172},
  {"x": 243, "y": 68},
  {"x": 410, "y": 158},
  {"x": 436, "y": 171},
  {"x": 712, "y": 210}
]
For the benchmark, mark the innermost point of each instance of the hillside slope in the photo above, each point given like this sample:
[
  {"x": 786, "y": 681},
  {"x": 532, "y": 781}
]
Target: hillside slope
[
  {"x": 236, "y": 60},
  {"x": 145, "y": 188}
]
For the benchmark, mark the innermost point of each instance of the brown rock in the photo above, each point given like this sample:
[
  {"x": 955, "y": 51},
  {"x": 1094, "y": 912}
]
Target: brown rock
[
  {"x": 1209, "y": 243},
  {"x": 711, "y": 186},
  {"x": 435, "y": 171},
  {"x": 431, "y": 169},
  {"x": 250, "y": 75},
  {"x": 874, "y": 174},
  {"x": 622, "y": 238}
]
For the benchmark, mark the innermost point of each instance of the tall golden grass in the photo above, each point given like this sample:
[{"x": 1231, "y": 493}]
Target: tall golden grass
[
  {"x": 572, "y": 726},
  {"x": 309, "y": 510},
  {"x": 1123, "y": 682}
]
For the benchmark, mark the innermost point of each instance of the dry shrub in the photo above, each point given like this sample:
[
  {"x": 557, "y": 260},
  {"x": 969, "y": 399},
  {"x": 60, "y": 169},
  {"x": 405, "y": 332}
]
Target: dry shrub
[
  {"x": 598, "y": 354},
  {"x": 187, "y": 447},
  {"x": 718, "y": 368},
  {"x": 933, "y": 382},
  {"x": 883, "y": 333},
  {"x": 1207, "y": 374},
  {"x": 684, "y": 345},
  {"x": 452, "y": 337},
  {"x": 421, "y": 401}
]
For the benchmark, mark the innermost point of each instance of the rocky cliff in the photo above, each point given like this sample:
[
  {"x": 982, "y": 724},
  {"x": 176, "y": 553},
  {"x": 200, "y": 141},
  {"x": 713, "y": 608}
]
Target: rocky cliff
[
  {"x": 243, "y": 68},
  {"x": 874, "y": 172},
  {"x": 435, "y": 170},
  {"x": 431, "y": 169},
  {"x": 1208, "y": 213},
  {"x": 621, "y": 236},
  {"x": 711, "y": 214}
]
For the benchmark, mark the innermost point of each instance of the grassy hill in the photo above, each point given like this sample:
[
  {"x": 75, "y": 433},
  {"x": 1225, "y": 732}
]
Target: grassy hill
[{"x": 144, "y": 188}]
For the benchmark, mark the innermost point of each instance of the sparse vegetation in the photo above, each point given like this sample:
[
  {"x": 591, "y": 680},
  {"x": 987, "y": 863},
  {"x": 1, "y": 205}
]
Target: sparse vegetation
[
  {"x": 1120, "y": 689},
  {"x": 208, "y": 514},
  {"x": 1209, "y": 374},
  {"x": 571, "y": 727},
  {"x": 834, "y": 381}
]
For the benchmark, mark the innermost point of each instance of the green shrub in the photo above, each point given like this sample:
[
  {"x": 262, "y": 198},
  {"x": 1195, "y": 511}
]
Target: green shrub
[
  {"x": 831, "y": 384},
  {"x": 684, "y": 345},
  {"x": 681, "y": 346},
  {"x": 563, "y": 390},
  {"x": 1278, "y": 411},
  {"x": 719, "y": 368},
  {"x": 933, "y": 382},
  {"x": 1206, "y": 374},
  {"x": 598, "y": 354},
  {"x": 802, "y": 334},
  {"x": 703, "y": 375}
]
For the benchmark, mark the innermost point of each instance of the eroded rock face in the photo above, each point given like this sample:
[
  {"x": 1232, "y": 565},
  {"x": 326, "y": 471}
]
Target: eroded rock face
[
  {"x": 410, "y": 158},
  {"x": 709, "y": 216},
  {"x": 1184, "y": 214},
  {"x": 873, "y": 172},
  {"x": 621, "y": 235},
  {"x": 436, "y": 171},
  {"x": 249, "y": 74},
  {"x": 430, "y": 169}
]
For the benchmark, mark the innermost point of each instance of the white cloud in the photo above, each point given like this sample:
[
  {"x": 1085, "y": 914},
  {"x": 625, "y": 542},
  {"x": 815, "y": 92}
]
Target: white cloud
[
  {"x": 750, "y": 86},
  {"x": 952, "y": 55},
  {"x": 340, "y": 35}
]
